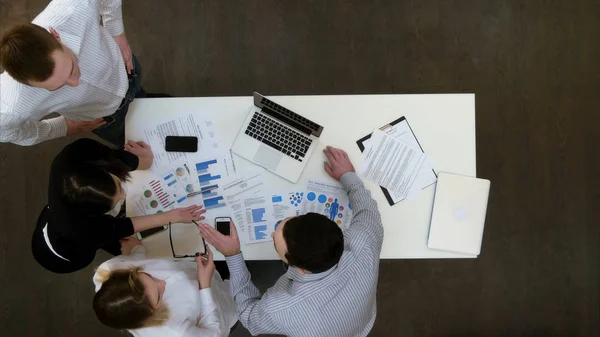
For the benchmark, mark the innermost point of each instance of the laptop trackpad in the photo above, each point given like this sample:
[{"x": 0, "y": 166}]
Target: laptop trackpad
[{"x": 267, "y": 157}]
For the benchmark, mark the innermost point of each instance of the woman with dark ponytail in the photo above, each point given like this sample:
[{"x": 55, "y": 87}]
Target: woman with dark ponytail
[{"x": 85, "y": 198}]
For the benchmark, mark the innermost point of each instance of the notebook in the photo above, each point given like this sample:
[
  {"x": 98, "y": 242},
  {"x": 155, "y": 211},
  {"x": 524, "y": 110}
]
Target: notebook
[{"x": 458, "y": 216}]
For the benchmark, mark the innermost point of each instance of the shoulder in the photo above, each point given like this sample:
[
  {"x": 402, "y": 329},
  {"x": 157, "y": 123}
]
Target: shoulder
[
  {"x": 64, "y": 13},
  {"x": 11, "y": 101}
]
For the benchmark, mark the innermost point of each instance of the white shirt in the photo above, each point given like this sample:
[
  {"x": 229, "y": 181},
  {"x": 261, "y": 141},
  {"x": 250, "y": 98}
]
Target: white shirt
[
  {"x": 193, "y": 313},
  {"x": 102, "y": 85}
]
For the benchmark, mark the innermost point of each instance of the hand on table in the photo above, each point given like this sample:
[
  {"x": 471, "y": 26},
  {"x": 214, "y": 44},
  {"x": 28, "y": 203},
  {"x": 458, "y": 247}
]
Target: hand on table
[
  {"x": 143, "y": 151},
  {"x": 228, "y": 245},
  {"x": 339, "y": 163},
  {"x": 128, "y": 243},
  {"x": 186, "y": 214},
  {"x": 74, "y": 127},
  {"x": 206, "y": 268},
  {"x": 125, "y": 51}
]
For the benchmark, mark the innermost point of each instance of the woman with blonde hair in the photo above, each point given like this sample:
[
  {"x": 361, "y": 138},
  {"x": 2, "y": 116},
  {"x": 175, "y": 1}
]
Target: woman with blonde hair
[{"x": 162, "y": 297}]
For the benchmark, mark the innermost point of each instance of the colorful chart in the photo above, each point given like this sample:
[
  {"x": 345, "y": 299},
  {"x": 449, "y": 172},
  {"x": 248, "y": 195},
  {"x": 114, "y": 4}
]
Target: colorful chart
[
  {"x": 258, "y": 214},
  {"x": 209, "y": 186},
  {"x": 296, "y": 198},
  {"x": 260, "y": 232},
  {"x": 153, "y": 203},
  {"x": 163, "y": 197},
  {"x": 147, "y": 193},
  {"x": 180, "y": 171}
]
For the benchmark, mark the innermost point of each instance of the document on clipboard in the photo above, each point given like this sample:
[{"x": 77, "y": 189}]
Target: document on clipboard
[{"x": 401, "y": 130}]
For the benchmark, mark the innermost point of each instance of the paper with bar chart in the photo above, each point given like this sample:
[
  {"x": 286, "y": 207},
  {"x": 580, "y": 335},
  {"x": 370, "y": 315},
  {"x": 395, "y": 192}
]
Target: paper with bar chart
[
  {"x": 211, "y": 173},
  {"x": 250, "y": 209},
  {"x": 329, "y": 199},
  {"x": 180, "y": 180},
  {"x": 150, "y": 198}
]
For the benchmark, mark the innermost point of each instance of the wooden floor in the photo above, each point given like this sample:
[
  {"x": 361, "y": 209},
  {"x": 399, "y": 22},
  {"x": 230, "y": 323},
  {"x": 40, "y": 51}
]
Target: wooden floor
[{"x": 535, "y": 69}]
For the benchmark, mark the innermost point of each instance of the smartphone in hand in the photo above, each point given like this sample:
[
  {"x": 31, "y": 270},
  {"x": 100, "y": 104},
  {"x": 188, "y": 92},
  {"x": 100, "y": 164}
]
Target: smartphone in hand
[{"x": 222, "y": 225}]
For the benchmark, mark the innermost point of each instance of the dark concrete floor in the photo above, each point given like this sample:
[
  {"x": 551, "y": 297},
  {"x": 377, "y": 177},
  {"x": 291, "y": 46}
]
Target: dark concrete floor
[{"x": 534, "y": 67}]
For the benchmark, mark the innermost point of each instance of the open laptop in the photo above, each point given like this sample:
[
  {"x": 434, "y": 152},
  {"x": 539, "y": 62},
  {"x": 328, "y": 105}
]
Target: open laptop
[
  {"x": 277, "y": 138},
  {"x": 458, "y": 215}
]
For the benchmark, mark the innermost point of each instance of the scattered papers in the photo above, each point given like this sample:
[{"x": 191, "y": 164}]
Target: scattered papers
[
  {"x": 150, "y": 198},
  {"x": 180, "y": 180},
  {"x": 395, "y": 165},
  {"x": 286, "y": 204},
  {"x": 189, "y": 125},
  {"x": 210, "y": 174},
  {"x": 249, "y": 208},
  {"x": 329, "y": 199}
]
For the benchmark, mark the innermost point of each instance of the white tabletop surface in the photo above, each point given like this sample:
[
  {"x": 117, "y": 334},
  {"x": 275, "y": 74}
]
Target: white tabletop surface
[{"x": 443, "y": 123}]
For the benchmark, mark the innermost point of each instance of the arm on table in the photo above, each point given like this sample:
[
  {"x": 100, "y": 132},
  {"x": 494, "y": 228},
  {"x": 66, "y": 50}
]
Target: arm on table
[
  {"x": 17, "y": 130},
  {"x": 252, "y": 309},
  {"x": 365, "y": 214}
]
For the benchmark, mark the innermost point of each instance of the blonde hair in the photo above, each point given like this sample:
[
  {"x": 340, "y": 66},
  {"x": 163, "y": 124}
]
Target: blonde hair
[{"x": 121, "y": 302}]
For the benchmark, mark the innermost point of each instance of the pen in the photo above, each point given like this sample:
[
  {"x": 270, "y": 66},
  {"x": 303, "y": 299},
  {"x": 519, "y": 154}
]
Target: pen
[
  {"x": 193, "y": 194},
  {"x": 186, "y": 168}
]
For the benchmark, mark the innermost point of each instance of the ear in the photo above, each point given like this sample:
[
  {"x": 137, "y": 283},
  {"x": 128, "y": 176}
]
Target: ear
[{"x": 55, "y": 33}]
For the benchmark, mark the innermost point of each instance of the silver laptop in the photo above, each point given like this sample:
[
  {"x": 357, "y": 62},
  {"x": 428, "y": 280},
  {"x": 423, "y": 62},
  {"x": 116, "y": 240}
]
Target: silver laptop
[
  {"x": 277, "y": 138},
  {"x": 458, "y": 215}
]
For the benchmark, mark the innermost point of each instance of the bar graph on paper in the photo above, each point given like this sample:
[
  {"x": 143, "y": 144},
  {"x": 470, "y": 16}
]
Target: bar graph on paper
[{"x": 210, "y": 180}]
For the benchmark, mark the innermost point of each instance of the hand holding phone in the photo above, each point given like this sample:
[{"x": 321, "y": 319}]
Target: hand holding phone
[{"x": 222, "y": 225}]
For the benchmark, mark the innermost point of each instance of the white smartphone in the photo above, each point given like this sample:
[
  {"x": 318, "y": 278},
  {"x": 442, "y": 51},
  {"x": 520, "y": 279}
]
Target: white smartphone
[
  {"x": 222, "y": 225},
  {"x": 149, "y": 232}
]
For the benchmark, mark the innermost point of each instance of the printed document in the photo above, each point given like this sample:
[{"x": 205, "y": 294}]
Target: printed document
[{"x": 395, "y": 165}]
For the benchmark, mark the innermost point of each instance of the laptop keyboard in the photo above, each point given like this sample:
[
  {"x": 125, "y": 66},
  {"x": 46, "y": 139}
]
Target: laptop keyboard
[{"x": 278, "y": 136}]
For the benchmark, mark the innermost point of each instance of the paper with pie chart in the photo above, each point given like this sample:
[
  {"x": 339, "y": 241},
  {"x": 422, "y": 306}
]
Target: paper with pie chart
[
  {"x": 329, "y": 199},
  {"x": 179, "y": 179},
  {"x": 150, "y": 198}
]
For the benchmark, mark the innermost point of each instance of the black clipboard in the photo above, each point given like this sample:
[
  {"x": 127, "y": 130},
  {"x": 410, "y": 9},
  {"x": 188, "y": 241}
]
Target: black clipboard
[{"x": 362, "y": 148}]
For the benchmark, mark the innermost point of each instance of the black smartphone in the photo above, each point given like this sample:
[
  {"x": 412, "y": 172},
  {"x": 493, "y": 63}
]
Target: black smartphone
[
  {"x": 181, "y": 144},
  {"x": 222, "y": 225}
]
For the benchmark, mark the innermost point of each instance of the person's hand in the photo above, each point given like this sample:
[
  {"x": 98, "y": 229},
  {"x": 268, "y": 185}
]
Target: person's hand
[
  {"x": 128, "y": 243},
  {"x": 206, "y": 268},
  {"x": 74, "y": 127},
  {"x": 228, "y": 245},
  {"x": 186, "y": 214},
  {"x": 125, "y": 51},
  {"x": 143, "y": 151},
  {"x": 339, "y": 163}
]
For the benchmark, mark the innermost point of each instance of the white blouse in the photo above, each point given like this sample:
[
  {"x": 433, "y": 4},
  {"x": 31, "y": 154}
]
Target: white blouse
[{"x": 208, "y": 312}]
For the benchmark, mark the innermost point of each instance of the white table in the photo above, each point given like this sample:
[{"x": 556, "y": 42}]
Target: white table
[{"x": 443, "y": 123}]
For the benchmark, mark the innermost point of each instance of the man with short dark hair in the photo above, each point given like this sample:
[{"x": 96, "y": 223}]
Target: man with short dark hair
[
  {"x": 330, "y": 287},
  {"x": 65, "y": 61}
]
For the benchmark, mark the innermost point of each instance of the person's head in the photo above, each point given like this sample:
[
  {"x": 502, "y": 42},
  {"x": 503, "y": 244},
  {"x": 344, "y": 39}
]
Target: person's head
[
  {"x": 33, "y": 56},
  {"x": 130, "y": 299},
  {"x": 94, "y": 188},
  {"x": 310, "y": 242}
]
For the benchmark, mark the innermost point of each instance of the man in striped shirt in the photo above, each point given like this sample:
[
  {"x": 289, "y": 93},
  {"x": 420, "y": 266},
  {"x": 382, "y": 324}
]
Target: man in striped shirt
[
  {"x": 330, "y": 287},
  {"x": 65, "y": 61}
]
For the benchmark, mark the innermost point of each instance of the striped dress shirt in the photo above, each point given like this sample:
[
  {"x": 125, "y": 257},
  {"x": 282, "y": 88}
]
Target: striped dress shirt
[
  {"x": 340, "y": 302},
  {"x": 102, "y": 85}
]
